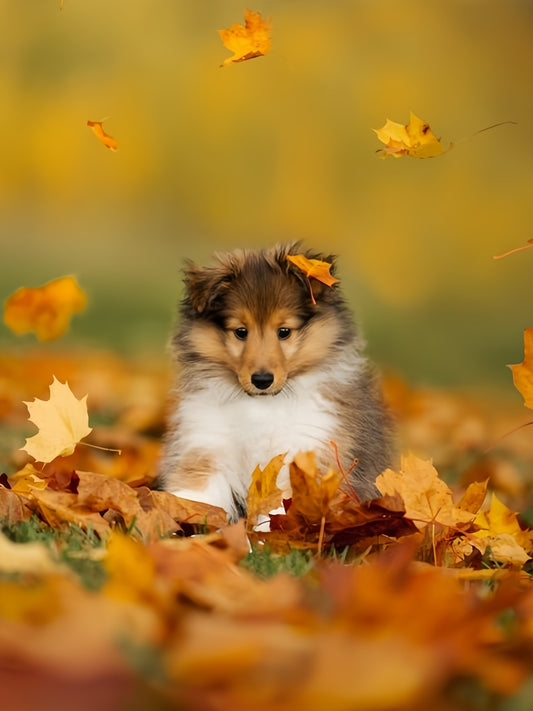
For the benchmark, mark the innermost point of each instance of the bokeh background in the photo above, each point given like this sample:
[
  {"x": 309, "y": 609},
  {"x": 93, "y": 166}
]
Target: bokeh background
[{"x": 280, "y": 147}]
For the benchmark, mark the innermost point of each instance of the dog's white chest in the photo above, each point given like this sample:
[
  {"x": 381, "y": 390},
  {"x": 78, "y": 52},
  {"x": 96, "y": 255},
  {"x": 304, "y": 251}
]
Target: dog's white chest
[{"x": 245, "y": 432}]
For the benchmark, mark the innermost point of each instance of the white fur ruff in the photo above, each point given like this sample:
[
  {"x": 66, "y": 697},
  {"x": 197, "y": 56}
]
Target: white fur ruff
[{"x": 239, "y": 432}]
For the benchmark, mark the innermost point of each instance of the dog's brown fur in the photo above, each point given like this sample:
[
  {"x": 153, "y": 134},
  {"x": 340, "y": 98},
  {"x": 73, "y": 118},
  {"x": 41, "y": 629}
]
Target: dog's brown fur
[{"x": 252, "y": 317}]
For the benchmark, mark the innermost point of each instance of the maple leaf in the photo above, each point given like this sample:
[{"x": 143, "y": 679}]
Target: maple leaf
[
  {"x": 500, "y": 519},
  {"x": 313, "y": 269},
  {"x": 45, "y": 310},
  {"x": 427, "y": 498},
  {"x": 263, "y": 493},
  {"x": 106, "y": 139},
  {"x": 415, "y": 139},
  {"x": 523, "y": 372},
  {"x": 62, "y": 421},
  {"x": 248, "y": 41}
]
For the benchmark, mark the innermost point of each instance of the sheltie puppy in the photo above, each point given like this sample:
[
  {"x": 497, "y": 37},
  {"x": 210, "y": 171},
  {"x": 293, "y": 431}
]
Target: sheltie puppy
[{"x": 269, "y": 362}]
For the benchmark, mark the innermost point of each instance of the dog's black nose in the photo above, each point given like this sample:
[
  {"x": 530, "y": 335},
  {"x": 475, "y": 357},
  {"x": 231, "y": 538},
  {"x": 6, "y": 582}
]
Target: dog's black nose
[{"x": 262, "y": 380}]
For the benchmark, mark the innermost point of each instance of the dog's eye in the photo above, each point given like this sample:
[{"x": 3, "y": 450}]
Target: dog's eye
[
  {"x": 241, "y": 333},
  {"x": 283, "y": 333}
]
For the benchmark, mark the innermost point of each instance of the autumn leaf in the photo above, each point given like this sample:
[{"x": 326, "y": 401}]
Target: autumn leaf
[
  {"x": 263, "y": 493},
  {"x": 248, "y": 41},
  {"x": 106, "y": 139},
  {"x": 313, "y": 269},
  {"x": 415, "y": 139},
  {"x": 523, "y": 372},
  {"x": 427, "y": 498},
  {"x": 45, "y": 310},
  {"x": 62, "y": 421}
]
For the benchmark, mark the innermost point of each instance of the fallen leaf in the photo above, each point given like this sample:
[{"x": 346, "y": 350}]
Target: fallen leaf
[
  {"x": 523, "y": 372},
  {"x": 263, "y": 494},
  {"x": 415, "y": 139},
  {"x": 500, "y": 519},
  {"x": 62, "y": 421},
  {"x": 45, "y": 310},
  {"x": 248, "y": 41},
  {"x": 427, "y": 498},
  {"x": 106, "y": 139}
]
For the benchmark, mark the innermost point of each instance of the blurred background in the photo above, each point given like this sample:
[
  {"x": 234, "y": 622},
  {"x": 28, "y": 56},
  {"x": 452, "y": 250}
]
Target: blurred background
[{"x": 280, "y": 147}]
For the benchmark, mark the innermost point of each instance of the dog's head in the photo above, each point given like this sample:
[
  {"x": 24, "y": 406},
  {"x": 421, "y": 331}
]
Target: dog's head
[{"x": 260, "y": 317}]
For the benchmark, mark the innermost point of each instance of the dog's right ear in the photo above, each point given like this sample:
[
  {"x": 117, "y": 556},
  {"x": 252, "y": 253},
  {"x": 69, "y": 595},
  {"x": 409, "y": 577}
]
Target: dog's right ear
[{"x": 204, "y": 285}]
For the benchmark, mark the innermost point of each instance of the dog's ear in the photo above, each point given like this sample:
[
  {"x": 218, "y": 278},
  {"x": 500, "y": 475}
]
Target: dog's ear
[{"x": 204, "y": 285}]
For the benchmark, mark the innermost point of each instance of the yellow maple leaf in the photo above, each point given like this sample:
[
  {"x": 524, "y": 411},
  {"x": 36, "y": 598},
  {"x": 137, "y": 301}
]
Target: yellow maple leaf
[
  {"x": 105, "y": 138},
  {"x": 62, "y": 421},
  {"x": 415, "y": 139},
  {"x": 248, "y": 41},
  {"x": 501, "y": 520},
  {"x": 45, "y": 310},
  {"x": 523, "y": 372},
  {"x": 264, "y": 495},
  {"x": 427, "y": 499}
]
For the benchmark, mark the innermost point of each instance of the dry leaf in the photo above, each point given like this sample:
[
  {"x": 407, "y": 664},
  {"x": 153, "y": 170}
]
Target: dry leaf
[
  {"x": 45, "y": 310},
  {"x": 62, "y": 421},
  {"x": 313, "y": 268},
  {"x": 415, "y": 139},
  {"x": 263, "y": 494},
  {"x": 252, "y": 40},
  {"x": 106, "y": 139},
  {"x": 523, "y": 372},
  {"x": 427, "y": 498}
]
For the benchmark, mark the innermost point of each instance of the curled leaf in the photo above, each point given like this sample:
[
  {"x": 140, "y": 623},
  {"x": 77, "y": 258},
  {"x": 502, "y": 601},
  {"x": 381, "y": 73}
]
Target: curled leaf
[
  {"x": 248, "y": 41},
  {"x": 523, "y": 372},
  {"x": 106, "y": 139},
  {"x": 45, "y": 310},
  {"x": 415, "y": 139}
]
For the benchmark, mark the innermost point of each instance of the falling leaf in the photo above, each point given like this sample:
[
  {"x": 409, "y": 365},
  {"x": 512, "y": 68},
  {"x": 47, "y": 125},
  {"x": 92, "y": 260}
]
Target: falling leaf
[
  {"x": 415, "y": 139},
  {"x": 107, "y": 140},
  {"x": 523, "y": 372},
  {"x": 252, "y": 40},
  {"x": 62, "y": 421},
  {"x": 45, "y": 310}
]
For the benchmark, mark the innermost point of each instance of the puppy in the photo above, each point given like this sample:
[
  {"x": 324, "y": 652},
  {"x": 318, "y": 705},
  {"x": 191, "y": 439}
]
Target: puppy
[{"x": 269, "y": 362}]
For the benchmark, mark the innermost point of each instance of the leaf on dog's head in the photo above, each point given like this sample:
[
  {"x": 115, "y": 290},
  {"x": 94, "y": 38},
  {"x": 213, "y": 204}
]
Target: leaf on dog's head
[
  {"x": 415, "y": 139},
  {"x": 106, "y": 139},
  {"x": 248, "y": 41},
  {"x": 62, "y": 421},
  {"x": 313, "y": 268},
  {"x": 45, "y": 310}
]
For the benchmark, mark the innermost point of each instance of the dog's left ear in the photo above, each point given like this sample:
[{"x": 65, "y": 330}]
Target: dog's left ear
[{"x": 204, "y": 285}]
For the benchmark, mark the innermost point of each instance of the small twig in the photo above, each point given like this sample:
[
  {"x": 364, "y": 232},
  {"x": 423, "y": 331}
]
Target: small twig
[
  {"x": 345, "y": 474},
  {"x": 517, "y": 249},
  {"x": 497, "y": 441},
  {"x": 321, "y": 534},
  {"x": 104, "y": 449}
]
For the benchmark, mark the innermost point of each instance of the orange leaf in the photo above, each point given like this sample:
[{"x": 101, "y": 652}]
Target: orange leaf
[
  {"x": 252, "y": 40},
  {"x": 523, "y": 372},
  {"x": 313, "y": 268},
  {"x": 415, "y": 139},
  {"x": 45, "y": 310},
  {"x": 107, "y": 140}
]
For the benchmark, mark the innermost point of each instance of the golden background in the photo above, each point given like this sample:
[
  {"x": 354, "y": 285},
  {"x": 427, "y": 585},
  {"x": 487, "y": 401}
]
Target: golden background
[{"x": 279, "y": 147}]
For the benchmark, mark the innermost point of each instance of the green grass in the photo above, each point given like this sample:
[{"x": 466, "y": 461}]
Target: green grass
[{"x": 71, "y": 546}]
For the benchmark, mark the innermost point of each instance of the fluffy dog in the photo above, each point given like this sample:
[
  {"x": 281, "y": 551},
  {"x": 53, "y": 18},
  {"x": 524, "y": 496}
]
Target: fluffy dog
[{"x": 269, "y": 362}]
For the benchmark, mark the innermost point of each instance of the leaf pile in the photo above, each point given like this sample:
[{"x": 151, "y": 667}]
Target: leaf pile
[{"x": 436, "y": 594}]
